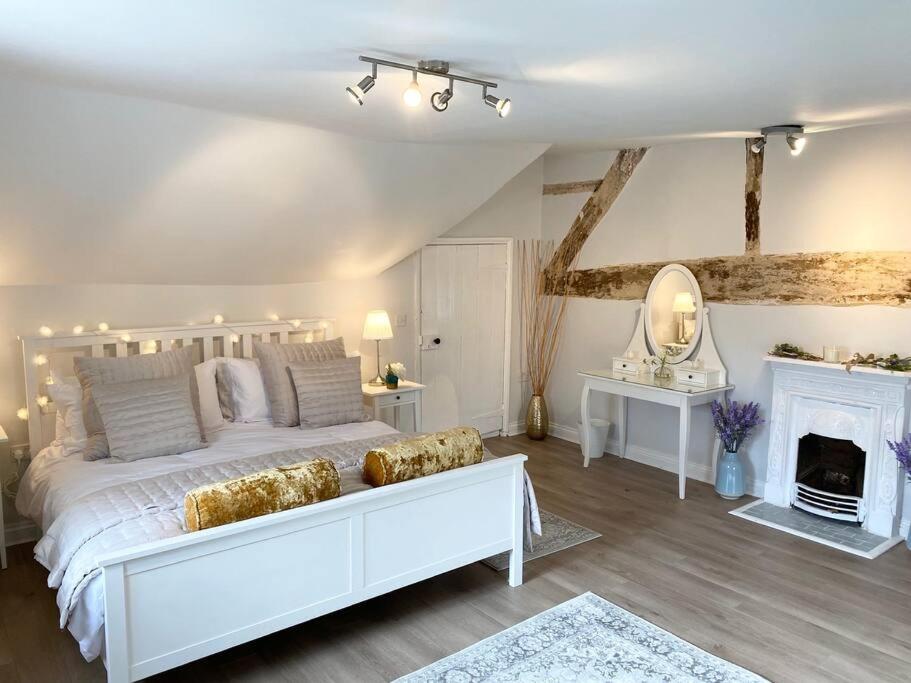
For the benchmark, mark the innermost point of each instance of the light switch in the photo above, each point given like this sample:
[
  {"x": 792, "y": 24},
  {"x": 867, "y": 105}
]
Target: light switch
[{"x": 401, "y": 319}]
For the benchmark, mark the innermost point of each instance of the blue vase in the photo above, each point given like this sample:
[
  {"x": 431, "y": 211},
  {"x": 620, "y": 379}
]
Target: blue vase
[{"x": 729, "y": 477}]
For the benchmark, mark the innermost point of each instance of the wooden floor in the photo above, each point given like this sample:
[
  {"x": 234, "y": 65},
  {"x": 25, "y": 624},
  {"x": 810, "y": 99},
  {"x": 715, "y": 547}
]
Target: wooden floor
[{"x": 784, "y": 607}]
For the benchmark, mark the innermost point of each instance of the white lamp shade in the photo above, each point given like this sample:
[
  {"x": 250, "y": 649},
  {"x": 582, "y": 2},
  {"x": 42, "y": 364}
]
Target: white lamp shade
[
  {"x": 377, "y": 325},
  {"x": 683, "y": 303}
]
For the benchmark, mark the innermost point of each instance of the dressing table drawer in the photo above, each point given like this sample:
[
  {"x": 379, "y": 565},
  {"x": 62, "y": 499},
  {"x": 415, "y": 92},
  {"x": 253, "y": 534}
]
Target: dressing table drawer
[
  {"x": 696, "y": 378},
  {"x": 627, "y": 366}
]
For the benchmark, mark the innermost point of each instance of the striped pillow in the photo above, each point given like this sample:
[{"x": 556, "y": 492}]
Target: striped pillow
[{"x": 328, "y": 392}]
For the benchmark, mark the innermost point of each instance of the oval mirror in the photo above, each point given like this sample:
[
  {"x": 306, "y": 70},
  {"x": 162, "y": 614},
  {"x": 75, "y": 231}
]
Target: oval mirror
[{"x": 673, "y": 313}]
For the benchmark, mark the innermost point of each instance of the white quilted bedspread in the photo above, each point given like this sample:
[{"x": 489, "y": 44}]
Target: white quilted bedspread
[{"x": 127, "y": 515}]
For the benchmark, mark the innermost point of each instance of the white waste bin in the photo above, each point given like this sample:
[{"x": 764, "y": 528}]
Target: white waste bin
[{"x": 600, "y": 429}]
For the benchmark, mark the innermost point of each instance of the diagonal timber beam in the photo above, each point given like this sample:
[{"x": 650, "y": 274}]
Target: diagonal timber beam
[{"x": 594, "y": 210}]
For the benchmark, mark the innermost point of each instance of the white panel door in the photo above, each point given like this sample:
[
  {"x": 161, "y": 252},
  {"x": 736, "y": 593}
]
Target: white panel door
[{"x": 463, "y": 335}]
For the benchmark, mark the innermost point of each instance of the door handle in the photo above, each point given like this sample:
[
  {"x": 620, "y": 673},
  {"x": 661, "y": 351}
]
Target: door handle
[{"x": 432, "y": 344}]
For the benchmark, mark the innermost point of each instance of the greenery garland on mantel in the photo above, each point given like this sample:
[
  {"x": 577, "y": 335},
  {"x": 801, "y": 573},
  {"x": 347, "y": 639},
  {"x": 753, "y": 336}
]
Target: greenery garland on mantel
[{"x": 892, "y": 362}]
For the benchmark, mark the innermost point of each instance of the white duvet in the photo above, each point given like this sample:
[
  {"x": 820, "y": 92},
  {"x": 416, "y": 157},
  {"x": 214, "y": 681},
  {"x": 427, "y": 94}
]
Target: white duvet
[{"x": 53, "y": 482}]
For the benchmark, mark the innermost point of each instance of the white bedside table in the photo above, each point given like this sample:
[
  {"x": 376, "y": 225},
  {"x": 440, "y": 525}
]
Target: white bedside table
[
  {"x": 3, "y": 440},
  {"x": 408, "y": 394}
]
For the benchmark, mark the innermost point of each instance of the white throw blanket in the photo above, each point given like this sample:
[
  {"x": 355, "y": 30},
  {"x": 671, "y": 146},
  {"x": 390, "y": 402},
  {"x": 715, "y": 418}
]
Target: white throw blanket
[{"x": 127, "y": 515}]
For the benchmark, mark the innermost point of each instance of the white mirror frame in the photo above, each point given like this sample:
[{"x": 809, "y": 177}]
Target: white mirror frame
[{"x": 655, "y": 347}]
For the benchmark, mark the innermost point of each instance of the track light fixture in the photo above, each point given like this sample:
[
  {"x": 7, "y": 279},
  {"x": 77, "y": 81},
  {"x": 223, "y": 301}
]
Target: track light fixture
[
  {"x": 794, "y": 136},
  {"x": 357, "y": 92},
  {"x": 439, "y": 100}
]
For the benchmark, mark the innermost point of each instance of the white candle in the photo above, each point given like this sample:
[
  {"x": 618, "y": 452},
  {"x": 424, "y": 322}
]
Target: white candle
[{"x": 830, "y": 354}]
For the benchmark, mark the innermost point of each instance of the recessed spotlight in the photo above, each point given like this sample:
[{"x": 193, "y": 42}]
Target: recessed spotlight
[
  {"x": 796, "y": 142},
  {"x": 440, "y": 100},
  {"x": 757, "y": 146},
  {"x": 412, "y": 94},
  {"x": 357, "y": 92},
  {"x": 502, "y": 106}
]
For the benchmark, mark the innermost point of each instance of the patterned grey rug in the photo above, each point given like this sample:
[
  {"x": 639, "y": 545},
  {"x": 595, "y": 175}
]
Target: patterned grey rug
[
  {"x": 557, "y": 534},
  {"x": 584, "y": 639}
]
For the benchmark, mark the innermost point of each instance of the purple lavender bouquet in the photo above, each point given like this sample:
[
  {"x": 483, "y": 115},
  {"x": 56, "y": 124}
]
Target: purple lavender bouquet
[
  {"x": 902, "y": 450},
  {"x": 734, "y": 425}
]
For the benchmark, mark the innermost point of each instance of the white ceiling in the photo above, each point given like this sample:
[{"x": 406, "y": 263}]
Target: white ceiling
[
  {"x": 100, "y": 188},
  {"x": 602, "y": 72}
]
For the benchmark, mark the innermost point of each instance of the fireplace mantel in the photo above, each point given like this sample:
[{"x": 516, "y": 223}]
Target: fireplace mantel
[{"x": 867, "y": 406}]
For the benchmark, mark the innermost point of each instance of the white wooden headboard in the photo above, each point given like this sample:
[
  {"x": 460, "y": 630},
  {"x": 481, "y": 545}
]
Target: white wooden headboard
[{"x": 42, "y": 354}]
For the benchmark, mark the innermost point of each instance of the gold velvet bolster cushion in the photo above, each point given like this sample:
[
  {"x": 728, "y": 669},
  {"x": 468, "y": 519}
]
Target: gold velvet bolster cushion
[
  {"x": 423, "y": 455},
  {"x": 261, "y": 493}
]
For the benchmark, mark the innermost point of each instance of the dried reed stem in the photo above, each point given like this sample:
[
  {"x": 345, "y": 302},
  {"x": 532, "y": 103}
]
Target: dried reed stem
[{"x": 543, "y": 313}]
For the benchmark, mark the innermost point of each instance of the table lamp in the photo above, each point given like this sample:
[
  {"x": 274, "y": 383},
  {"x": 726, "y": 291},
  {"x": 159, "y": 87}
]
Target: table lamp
[
  {"x": 376, "y": 328},
  {"x": 683, "y": 304}
]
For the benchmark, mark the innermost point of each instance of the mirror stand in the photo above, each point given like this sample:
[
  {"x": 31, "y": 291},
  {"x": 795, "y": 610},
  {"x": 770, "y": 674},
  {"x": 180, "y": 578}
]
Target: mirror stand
[{"x": 706, "y": 357}]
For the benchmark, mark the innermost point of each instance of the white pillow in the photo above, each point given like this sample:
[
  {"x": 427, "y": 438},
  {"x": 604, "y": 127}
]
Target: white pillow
[
  {"x": 209, "y": 409},
  {"x": 248, "y": 393},
  {"x": 66, "y": 393}
]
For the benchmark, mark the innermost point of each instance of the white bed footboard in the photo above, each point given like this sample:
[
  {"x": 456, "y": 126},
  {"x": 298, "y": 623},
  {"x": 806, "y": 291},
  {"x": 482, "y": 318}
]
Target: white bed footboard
[{"x": 174, "y": 601}]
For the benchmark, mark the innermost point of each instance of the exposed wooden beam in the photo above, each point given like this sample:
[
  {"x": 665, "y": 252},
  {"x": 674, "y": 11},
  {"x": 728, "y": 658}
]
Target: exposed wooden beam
[
  {"x": 825, "y": 278},
  {"x": 752, "y": 192},
  {"x": 594, "y": 209},
  {"x": 572, "y": 188}
]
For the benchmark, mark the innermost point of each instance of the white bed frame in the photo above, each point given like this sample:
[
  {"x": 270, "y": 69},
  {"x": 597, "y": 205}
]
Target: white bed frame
[{"x": 174, "y": 601}]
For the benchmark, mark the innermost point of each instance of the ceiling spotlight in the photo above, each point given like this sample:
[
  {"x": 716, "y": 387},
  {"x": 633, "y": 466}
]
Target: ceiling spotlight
[
  {"x": 793, "y": 136},
  {"x": 757, "y": 146},
  {"x": 357, "y": 92},
  {"x": 796, "y": 142},
  {"x": 440, "y": 100},
  {"x": 412, "y": 95},
  {"x": 502, "y": 106}
]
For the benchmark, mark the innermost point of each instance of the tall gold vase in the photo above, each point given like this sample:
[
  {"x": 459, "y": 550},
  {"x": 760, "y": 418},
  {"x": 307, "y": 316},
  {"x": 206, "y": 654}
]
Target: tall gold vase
[{"x": 536, "y": 420}]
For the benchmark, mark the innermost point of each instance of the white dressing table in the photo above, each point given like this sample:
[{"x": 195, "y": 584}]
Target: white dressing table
[
  {"x": 645, "y": 388},
  {"x": 672, "y": 322}
]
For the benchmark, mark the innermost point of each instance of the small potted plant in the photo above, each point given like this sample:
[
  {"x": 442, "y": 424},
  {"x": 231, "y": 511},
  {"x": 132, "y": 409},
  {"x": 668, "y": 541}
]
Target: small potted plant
[
  {"x": 733, "y": 426},
  {"x": 394, "y": 372},
  {"x": 902, "y": 450}
]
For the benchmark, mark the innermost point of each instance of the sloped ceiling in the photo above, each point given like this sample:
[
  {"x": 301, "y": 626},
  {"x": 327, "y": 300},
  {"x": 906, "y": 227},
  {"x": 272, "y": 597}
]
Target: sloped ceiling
[
  {"x": 604, "y": 73},
  {"x": 98, "y": 188},
  {"x": 212, "y": 142}
]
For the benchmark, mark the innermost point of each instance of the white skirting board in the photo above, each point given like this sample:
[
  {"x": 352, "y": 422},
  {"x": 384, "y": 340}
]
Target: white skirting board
[
  {"x": 20, "y": 531},
  {"x": 647, "y": 456}
]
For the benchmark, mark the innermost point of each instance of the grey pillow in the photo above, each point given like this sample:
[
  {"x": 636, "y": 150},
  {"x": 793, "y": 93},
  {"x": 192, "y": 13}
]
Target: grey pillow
[
  {"x": 94, "y": 372},
  {"x": 274, "y": 361},
  {"x": 147, "y": 418},
  {"x": 328, "y": 392}
]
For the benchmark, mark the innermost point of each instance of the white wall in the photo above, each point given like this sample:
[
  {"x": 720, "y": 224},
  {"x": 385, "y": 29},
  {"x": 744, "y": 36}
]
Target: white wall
[{"x": 847, "y": 191}]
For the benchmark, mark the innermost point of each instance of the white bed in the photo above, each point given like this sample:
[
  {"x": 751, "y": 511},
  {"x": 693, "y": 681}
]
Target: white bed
[
  {"x": 157, "y": 599},
  {"x": 53, "y": 482}
]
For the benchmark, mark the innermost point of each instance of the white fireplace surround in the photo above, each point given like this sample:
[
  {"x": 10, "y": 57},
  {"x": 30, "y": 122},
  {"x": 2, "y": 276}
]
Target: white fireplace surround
[{"x": 866, "y": 406}]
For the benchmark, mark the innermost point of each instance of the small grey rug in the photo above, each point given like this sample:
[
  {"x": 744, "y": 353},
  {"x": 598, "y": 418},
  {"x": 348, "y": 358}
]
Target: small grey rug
[
  {"x": 584, "y": 639},
  {"x": 557, "y": 534}
]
